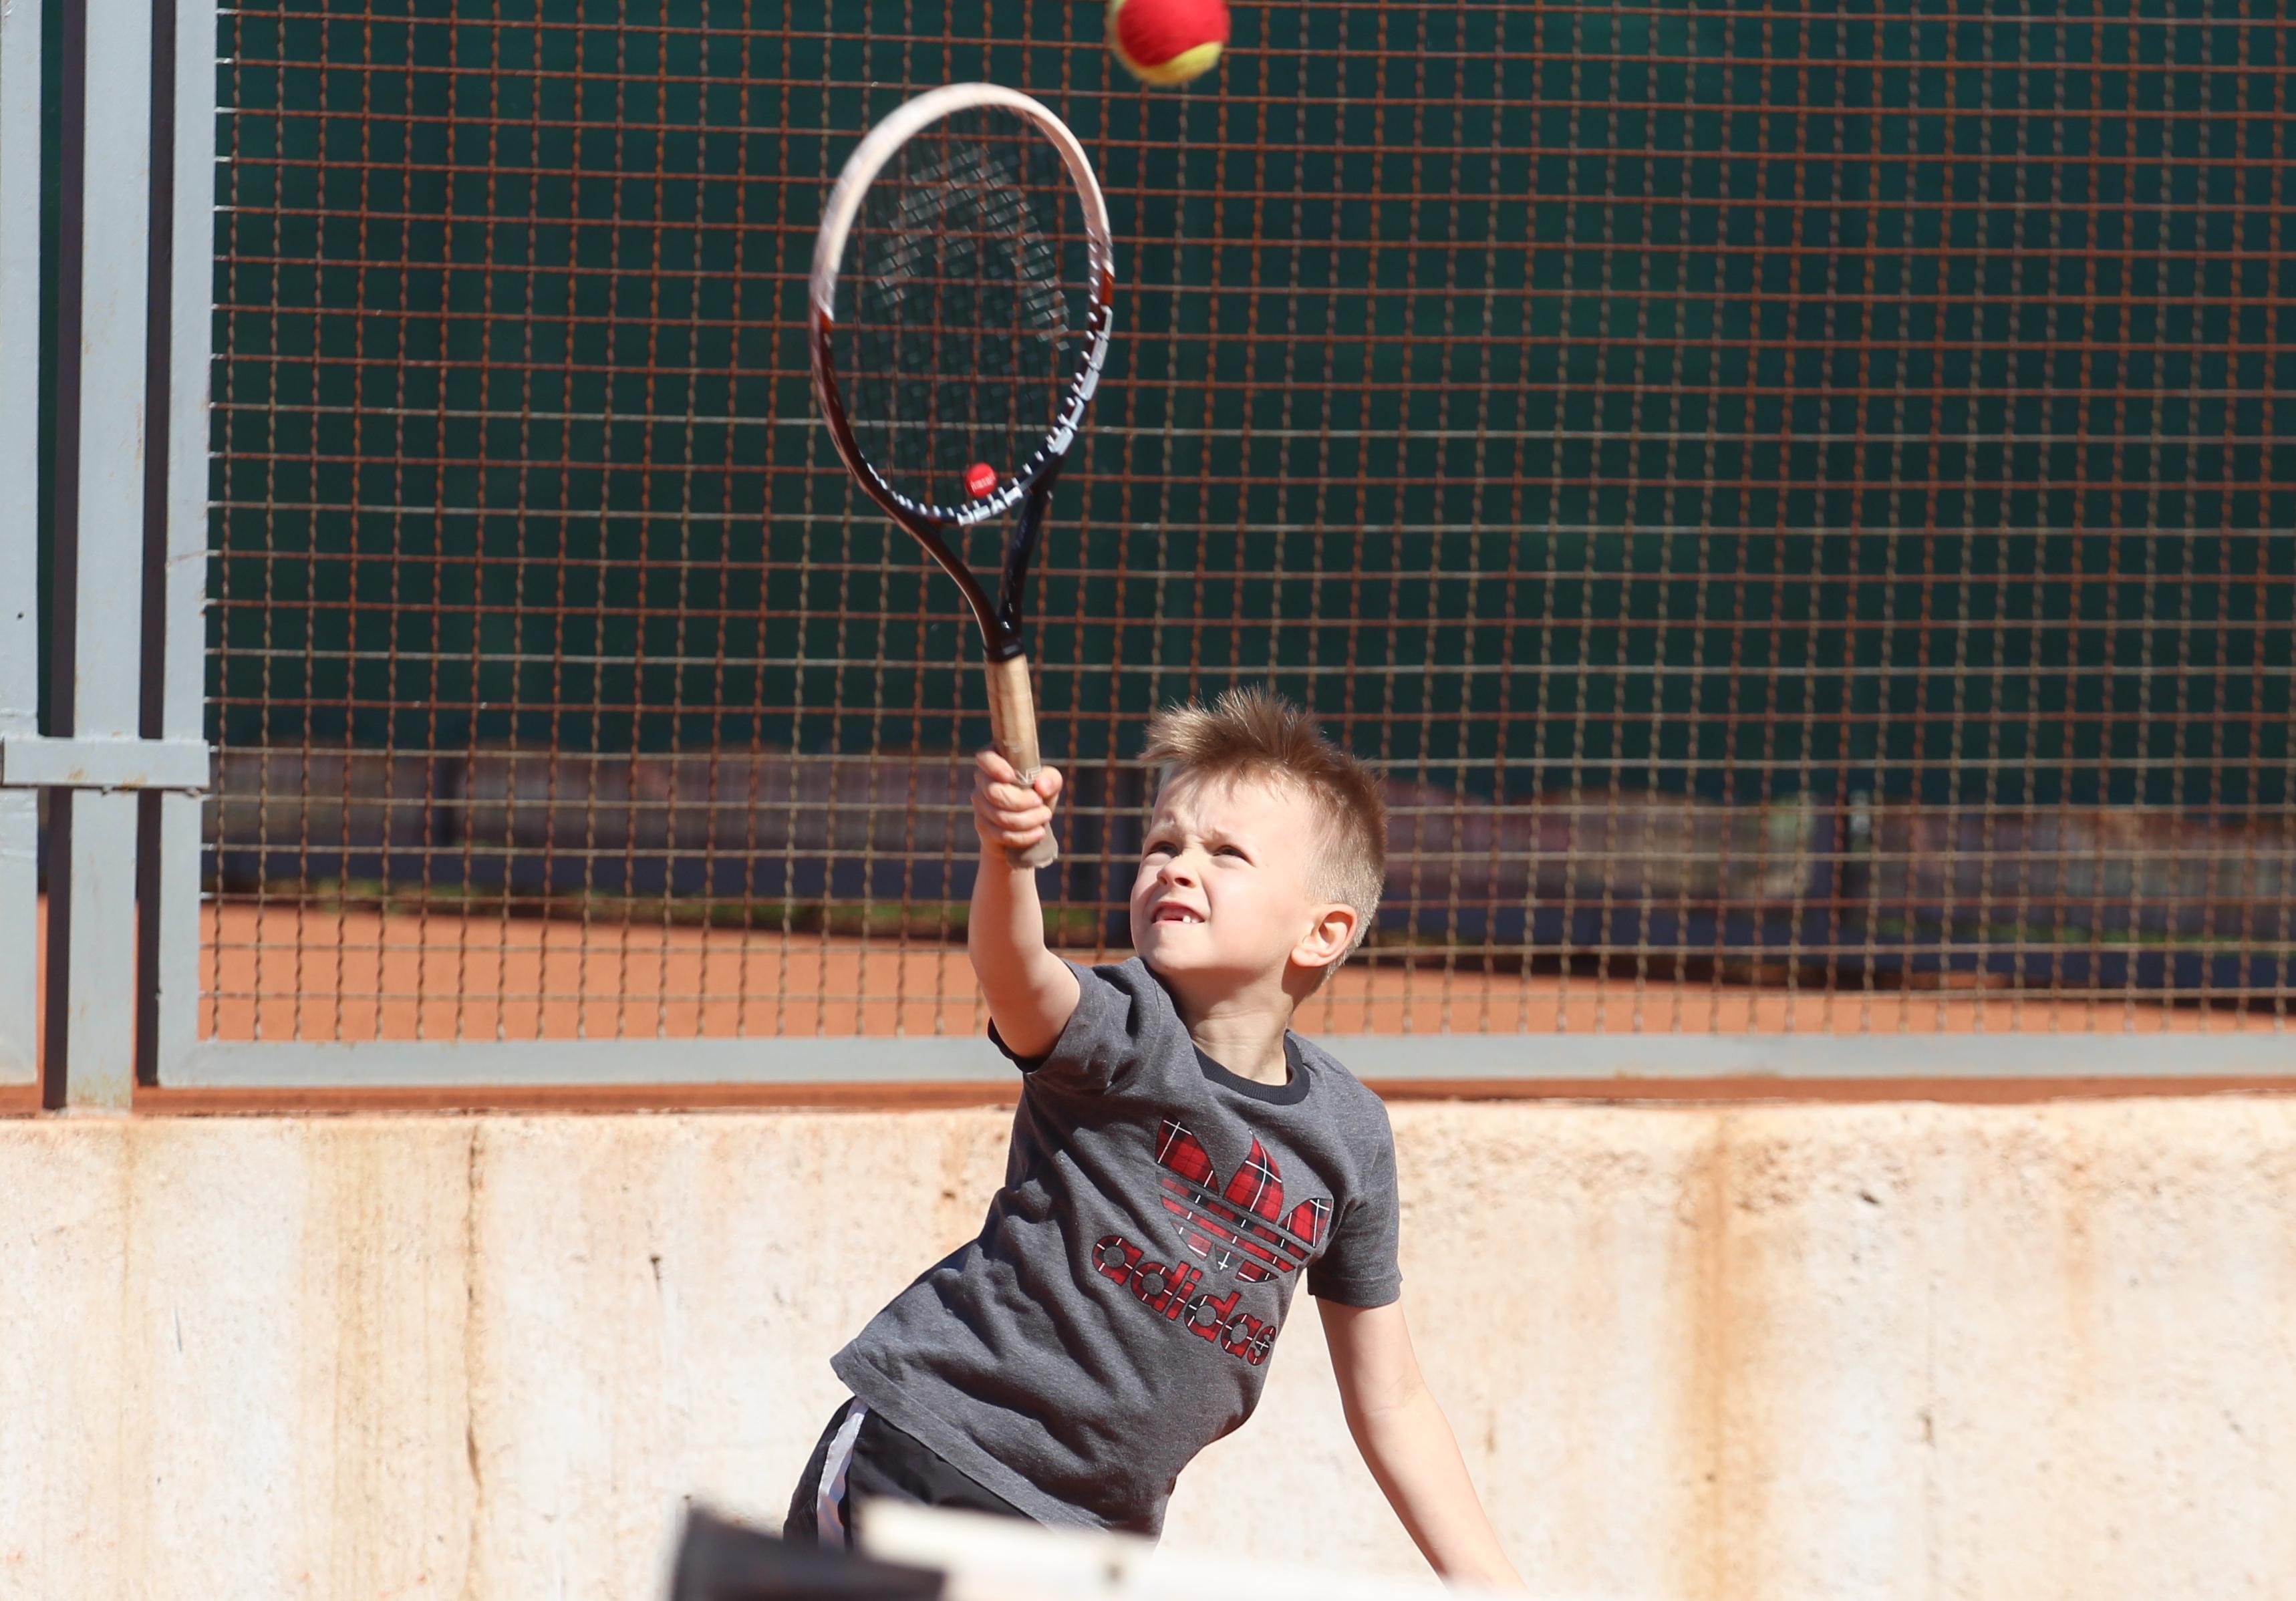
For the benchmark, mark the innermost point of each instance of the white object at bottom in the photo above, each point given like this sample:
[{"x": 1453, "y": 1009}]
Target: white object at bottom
[{"x": 828, "y": 1501}]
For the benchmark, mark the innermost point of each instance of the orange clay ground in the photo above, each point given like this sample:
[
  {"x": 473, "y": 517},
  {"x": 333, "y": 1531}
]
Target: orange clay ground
[
  {"x": 291, "y": 972},
  {"x": 320, "y": 975}
]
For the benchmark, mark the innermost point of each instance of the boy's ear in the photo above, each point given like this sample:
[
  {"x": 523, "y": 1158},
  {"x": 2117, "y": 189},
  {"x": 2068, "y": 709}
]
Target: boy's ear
[{"x": 1329, "y": 937}]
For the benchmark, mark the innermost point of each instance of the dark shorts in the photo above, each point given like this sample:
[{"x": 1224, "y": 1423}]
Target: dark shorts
[{"x": 885, "y": 1463}]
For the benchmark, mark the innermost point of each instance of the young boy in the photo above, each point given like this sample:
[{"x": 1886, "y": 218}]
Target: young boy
[{"x": 1180, "y": 1161}]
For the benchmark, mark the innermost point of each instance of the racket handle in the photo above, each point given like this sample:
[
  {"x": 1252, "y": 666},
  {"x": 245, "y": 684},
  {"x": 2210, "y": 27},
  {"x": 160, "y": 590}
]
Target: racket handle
[{"x": 1012, "y": 725}]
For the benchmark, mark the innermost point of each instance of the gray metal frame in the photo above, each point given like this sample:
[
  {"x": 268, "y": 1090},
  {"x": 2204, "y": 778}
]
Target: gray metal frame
[
  {"x": 20, "y": 434},
  {"x": 29, "y": 761},
  {"x": 99, "y": 551},
  {"x": 122, "y": 756},
  {"x": 1579, "y": 1065},
  {"x": 171, "y": 883},
  {"x": 1648, "y": 1066}
]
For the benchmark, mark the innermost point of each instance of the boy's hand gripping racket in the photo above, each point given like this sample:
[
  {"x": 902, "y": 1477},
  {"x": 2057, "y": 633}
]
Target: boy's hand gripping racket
[{"x": 963, "y": 288}]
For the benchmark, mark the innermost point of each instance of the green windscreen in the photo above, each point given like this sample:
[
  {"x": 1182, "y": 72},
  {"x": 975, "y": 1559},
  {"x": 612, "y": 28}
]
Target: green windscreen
[{"x": 1816, "y": 483}]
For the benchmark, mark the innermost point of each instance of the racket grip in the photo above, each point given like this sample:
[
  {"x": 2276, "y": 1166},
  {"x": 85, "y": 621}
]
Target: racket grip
[{"x": 1012, "y": 725}]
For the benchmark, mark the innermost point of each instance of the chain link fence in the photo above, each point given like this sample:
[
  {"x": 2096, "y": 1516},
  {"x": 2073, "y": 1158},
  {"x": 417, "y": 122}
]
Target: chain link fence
[{"x": 1797, "y": 502}]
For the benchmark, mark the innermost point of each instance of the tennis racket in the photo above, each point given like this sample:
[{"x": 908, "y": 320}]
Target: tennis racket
[{"x": 963, "y": 288}]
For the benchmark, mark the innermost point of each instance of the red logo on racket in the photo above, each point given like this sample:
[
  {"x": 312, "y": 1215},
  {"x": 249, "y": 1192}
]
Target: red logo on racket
[{"x": 979, "y": 478}]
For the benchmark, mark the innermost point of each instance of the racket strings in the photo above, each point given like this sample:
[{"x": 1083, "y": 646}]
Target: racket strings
[{"x": 967, "y": 282}]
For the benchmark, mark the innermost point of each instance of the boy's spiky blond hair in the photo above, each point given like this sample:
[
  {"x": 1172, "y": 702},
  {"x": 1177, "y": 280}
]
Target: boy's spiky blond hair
[{"x": 1251, "y": 732}]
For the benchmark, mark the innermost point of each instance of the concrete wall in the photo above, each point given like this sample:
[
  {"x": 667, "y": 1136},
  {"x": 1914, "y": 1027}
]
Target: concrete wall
[{"x": 1893, "y": 1351}]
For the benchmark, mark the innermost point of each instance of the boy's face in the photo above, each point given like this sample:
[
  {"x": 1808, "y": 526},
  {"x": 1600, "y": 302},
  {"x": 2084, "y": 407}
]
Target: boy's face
[{"x": 1225, "y": 892}]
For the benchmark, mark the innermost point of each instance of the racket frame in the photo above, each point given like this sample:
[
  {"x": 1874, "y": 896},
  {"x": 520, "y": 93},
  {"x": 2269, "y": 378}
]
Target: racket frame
[
  {"x": 999, "y": 616},
  {"x": 1012, "y": 708}
]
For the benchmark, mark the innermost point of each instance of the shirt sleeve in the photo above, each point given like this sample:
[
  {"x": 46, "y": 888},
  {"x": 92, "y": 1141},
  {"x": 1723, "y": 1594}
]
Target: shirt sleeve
[
  {"x": 1099, "y": 1045},
  {"x": 1360, "y": 1269}
]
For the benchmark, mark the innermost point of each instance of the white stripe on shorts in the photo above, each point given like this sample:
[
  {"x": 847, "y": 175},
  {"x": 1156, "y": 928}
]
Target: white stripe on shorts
[{"x": 829, "y": 1504}]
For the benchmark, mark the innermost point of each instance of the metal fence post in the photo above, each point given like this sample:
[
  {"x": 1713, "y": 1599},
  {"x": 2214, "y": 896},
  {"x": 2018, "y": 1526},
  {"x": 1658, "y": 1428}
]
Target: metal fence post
[
  {"x": 104, "y": 243},
  {"x": 175, "y": 642},
  {"x": 20, "y": 434}
]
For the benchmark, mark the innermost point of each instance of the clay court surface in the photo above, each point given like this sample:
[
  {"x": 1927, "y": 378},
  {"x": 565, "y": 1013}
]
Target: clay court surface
[
  {"x": 297, "y": 972},
  {"x": 301, "y": 972}
]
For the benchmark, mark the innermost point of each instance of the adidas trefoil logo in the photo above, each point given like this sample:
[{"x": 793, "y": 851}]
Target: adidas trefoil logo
[
  {"x": 1241, "y": 1228},
  {"x": 1238, "y": 1228}
]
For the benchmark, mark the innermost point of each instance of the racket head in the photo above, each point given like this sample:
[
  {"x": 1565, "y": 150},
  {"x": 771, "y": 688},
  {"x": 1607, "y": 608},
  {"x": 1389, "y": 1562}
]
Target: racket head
[{"x": 963, "y": 287}]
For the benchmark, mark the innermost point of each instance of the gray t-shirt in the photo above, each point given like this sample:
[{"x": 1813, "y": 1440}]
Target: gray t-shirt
[{"x": 1116, "y": 1314}]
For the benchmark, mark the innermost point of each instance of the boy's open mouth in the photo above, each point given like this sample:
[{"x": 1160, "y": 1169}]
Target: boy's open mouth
[{"x": 1169, "y": 913}]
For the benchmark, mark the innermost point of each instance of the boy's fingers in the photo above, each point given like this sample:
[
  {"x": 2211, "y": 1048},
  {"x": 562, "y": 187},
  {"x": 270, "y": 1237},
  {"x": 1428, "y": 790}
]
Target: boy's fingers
[
  {"x": 993, "y": 764},
  {"x": 1007, "y": 813},
  {"x": 1011, "y": 797},
  {"x": 995, "y": 769},
  {"x": 1011, "y": 839},
  {"x": 992, "y": 816}
]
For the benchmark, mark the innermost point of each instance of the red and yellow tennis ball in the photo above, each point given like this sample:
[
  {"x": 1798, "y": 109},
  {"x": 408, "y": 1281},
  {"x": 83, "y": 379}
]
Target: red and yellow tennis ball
[{"x": 1168, "y": 41}]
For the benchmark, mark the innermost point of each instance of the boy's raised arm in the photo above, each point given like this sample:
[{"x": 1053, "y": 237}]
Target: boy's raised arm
[{"x": 1031, "y": 991}]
